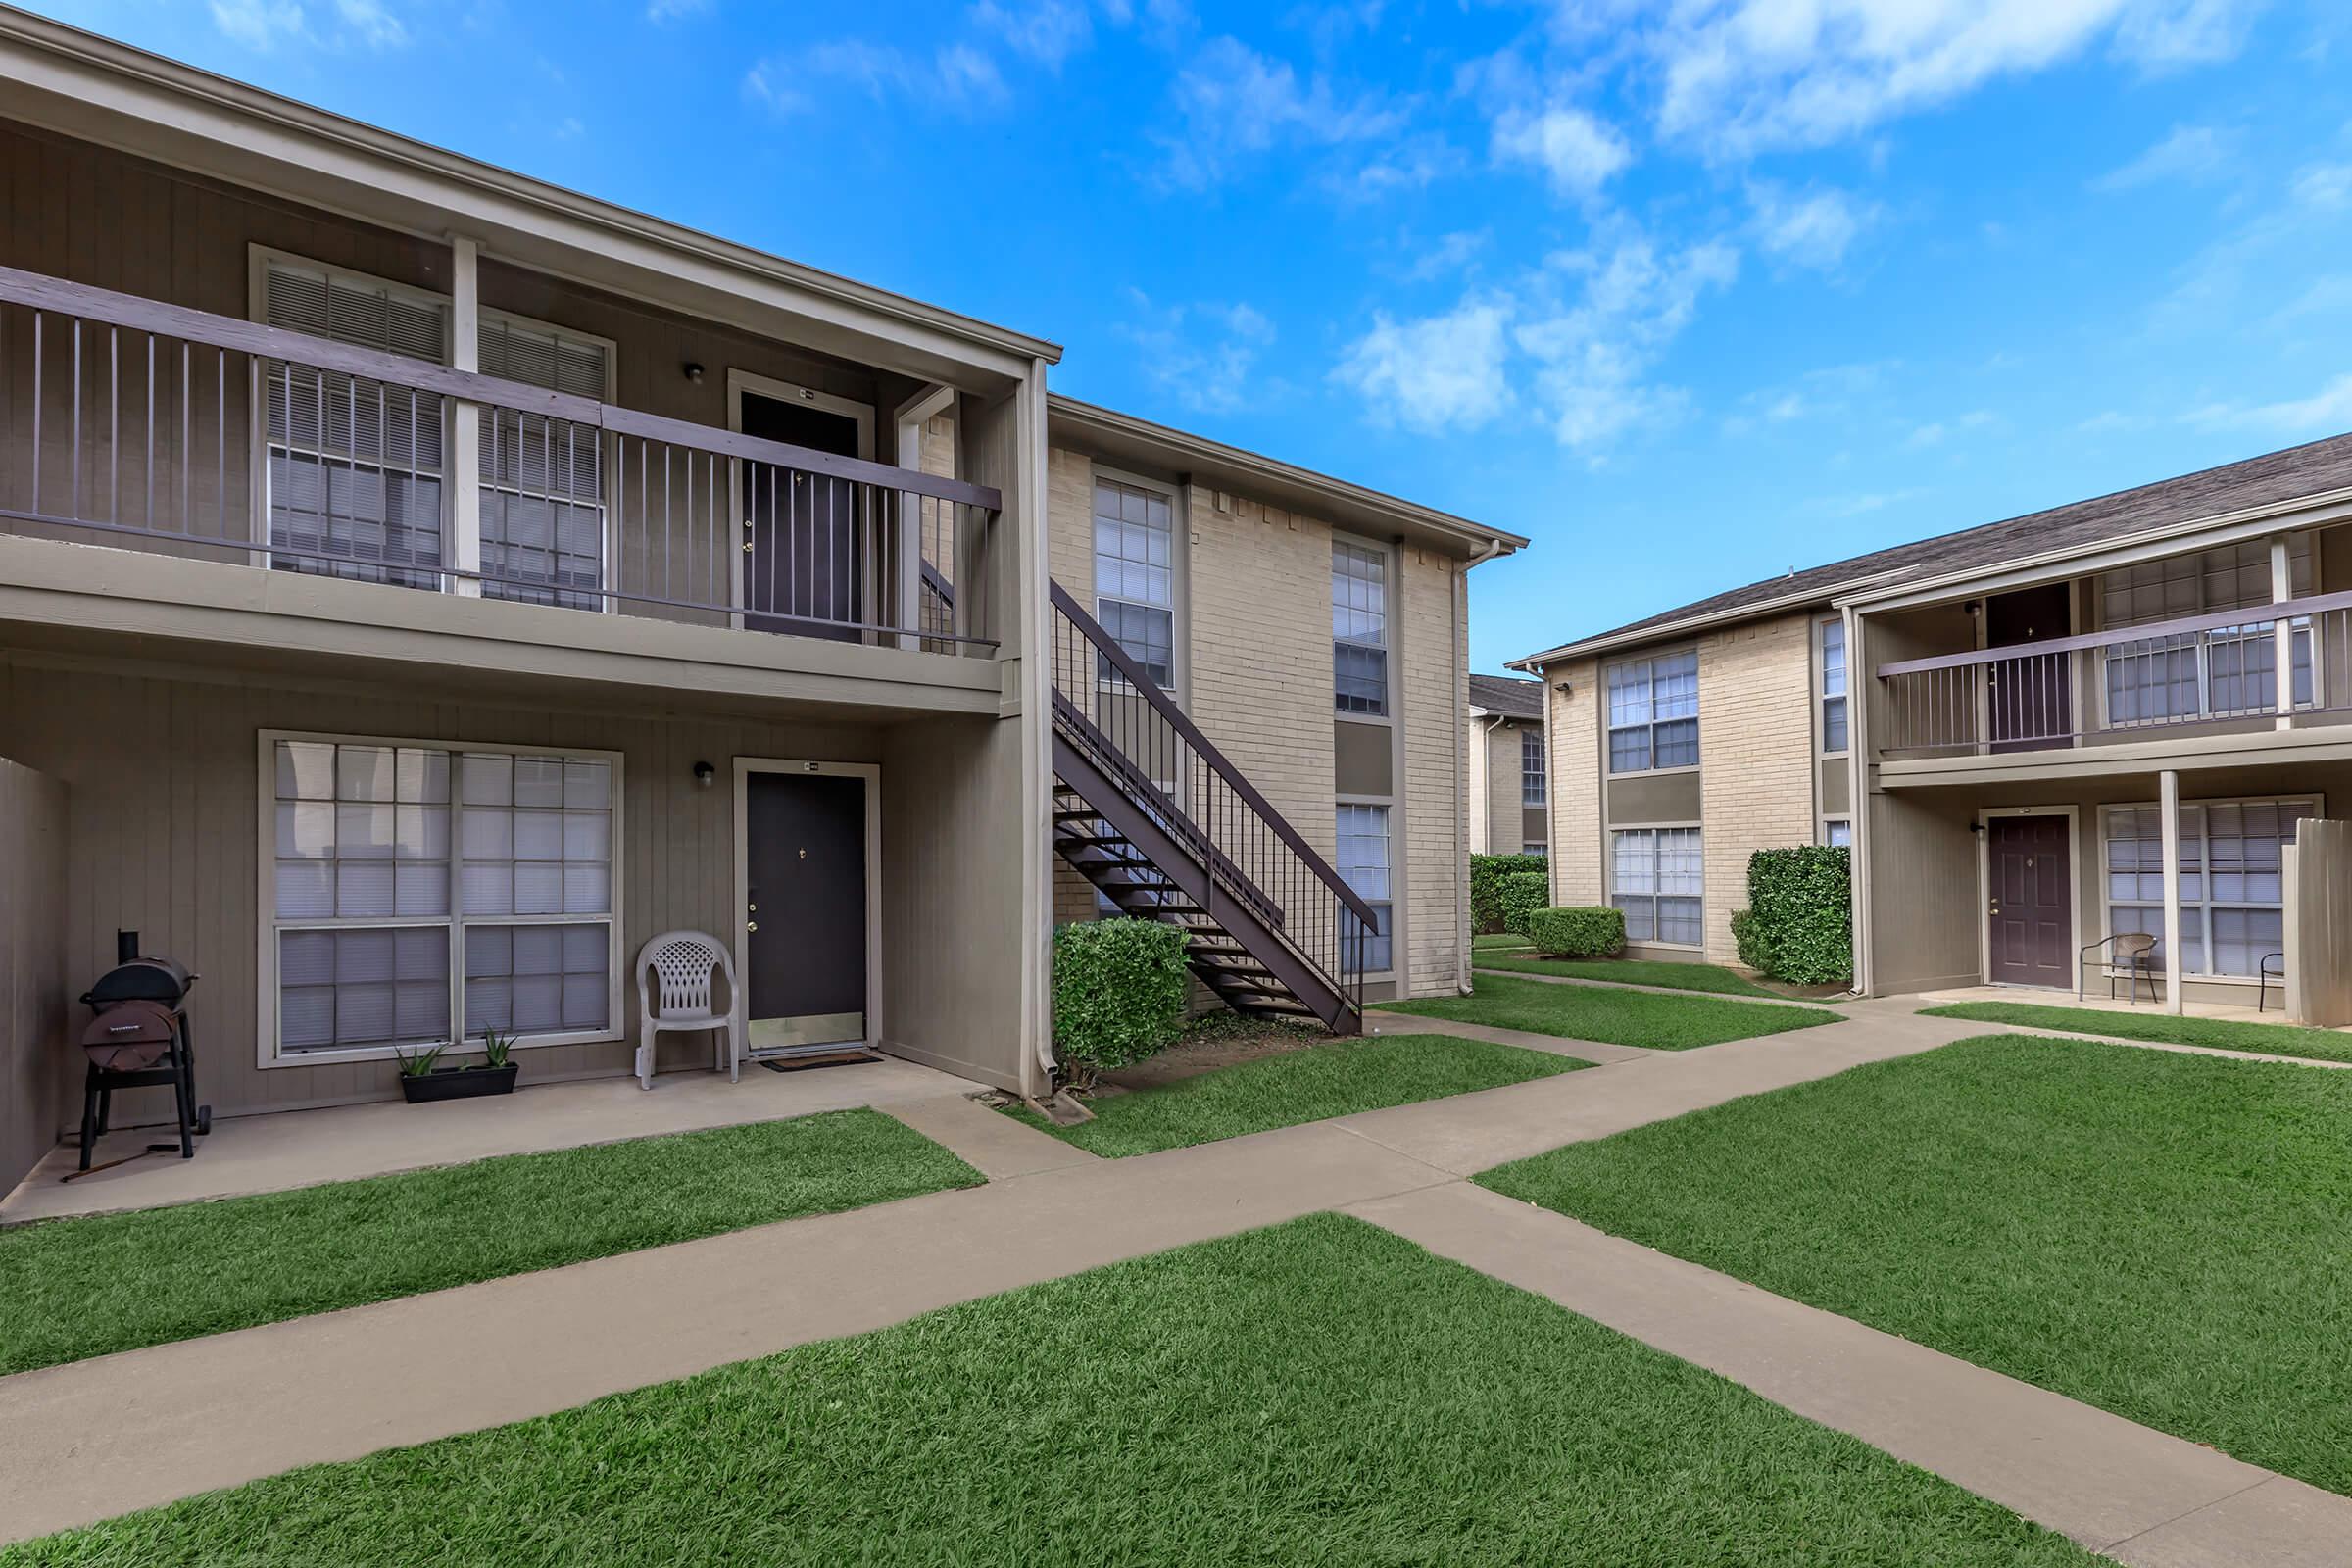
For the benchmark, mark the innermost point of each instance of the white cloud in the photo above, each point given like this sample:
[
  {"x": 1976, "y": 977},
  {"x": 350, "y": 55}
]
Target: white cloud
[
  {"x": 1448, "y": 253},
  {"x": 1604, "y": 318},
  {"x": 1206, "y": 355},
  {"x": 2324, "y": 186},
  {"x": 2190, "y": 153},
  {"x": 259, "y": 24},
  {"x": 1741, "y": 76},
  {"x": 1047, "y": 32},
  {"x": 1813, "y": 229},
  {"x": 675, "y": 9},
  {"x": 376, "y": 26},
  {"x": 2325, "y": 412},
  {"x": 1234, "y": 101},
  {"x": 1436, "y": 374},
  {"x": 1578, "y": 152},
  {"x": 953, "y": 76}
]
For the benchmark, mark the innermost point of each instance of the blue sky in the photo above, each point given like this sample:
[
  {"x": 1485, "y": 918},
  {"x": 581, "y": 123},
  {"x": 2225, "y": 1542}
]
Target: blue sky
[{"x": 1688, "y": 291}]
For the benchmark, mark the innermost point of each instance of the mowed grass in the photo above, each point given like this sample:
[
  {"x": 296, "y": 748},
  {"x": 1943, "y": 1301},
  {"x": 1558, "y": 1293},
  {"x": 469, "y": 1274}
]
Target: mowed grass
[
  {"x": 1499, "y": 942},
  {"x": 1319, "y": 1393},
  {"x": 2168, "y": 1237},
  {"x": 1631, "y": 973},
  {"x": 76, "y": 1287},
  {"x": 2224, "y": 1034},
  {"x": 1336, "y": 1078},
  {"x": 1621, "y": 1017}
]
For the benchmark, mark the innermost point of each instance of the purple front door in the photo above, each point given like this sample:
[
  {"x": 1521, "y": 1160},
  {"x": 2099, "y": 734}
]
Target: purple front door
[{"x": 2030, "y": 924}]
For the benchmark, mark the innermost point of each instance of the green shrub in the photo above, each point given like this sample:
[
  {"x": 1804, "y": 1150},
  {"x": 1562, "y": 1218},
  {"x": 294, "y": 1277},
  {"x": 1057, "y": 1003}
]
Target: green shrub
[
  {"x": 1748, "y": 938},
  {"x": 1487, "y": 872},
  {"x": 1523, "y": 894},
  {"x": 1118, "y": 993},
  {"x": 1577, "y": 933},
  {"x": 1801, "y": 906}
]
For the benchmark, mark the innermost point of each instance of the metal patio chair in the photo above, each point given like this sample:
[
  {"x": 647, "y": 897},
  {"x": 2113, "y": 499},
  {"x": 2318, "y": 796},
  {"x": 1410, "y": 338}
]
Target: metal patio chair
[
  {"x": 677, "y": 975},
  {"x": 2266, "y": 973},
  {"x": 2133, "y": 951}
]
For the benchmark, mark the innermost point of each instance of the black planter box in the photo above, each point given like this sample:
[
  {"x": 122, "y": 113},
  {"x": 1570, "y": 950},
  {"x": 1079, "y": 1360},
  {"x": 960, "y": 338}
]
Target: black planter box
[{"x": 458, "y": 1083}]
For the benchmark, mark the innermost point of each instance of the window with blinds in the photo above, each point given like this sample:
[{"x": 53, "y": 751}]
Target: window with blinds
[
  {"x": 417, "y": 883},
  {"x": 541, "y": 480},
  {"x": 2208, "y": 674},
  {"x": 353, "y": 468},
  {"x": 1359, "y": 629}
]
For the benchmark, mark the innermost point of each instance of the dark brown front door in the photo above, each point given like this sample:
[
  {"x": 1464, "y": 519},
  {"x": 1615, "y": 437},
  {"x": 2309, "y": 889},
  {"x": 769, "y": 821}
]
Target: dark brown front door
[
  {"x": 2030, "y": 924},
  {"x": 803, "y": 571},
  {"x": 805, "y": 885},
  {"x": 2031, "y": 698}
]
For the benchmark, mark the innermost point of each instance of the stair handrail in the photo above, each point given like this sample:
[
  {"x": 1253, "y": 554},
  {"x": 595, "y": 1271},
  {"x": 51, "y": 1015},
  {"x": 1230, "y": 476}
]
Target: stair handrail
[{"x": 1189, "y": 733}]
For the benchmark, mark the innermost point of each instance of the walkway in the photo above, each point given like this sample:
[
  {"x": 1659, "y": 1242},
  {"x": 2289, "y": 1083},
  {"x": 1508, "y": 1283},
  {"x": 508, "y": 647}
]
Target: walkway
[{"x": 92, "y": 1438}]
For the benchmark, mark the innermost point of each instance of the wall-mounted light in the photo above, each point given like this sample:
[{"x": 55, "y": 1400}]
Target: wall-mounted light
[
  {"x": 1565, "y": 687},
  {"x": 704, "y": 774},
  {"x": 694, "y": 372}
]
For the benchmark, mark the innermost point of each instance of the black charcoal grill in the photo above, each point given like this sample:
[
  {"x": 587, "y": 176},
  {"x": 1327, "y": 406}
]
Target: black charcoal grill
[{"x": 137, "y": 1039}]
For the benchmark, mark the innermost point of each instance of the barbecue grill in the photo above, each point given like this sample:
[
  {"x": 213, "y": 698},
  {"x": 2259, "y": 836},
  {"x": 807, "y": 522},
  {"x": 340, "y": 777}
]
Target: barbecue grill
[{"x": 139, "y": 1037}]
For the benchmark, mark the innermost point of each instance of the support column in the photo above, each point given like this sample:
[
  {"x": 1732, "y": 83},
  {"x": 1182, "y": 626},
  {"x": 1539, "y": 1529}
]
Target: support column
[
  {"x": 2283, "y": 588},
  {"x": 2168, "y": 804},
  {"x": 465, "y": 418}
]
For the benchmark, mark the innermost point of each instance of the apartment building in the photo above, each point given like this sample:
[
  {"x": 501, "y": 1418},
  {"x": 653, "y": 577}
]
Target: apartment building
[
  {"x": 420, "y": 586},
  {"x": 1508, "y": 803},
  {"x": 2041, "y": 737}
]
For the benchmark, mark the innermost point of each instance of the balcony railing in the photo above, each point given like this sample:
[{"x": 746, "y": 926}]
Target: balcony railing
[
  {"x": 2214, "y": 670},
  {"x": 130, "y": 422}
]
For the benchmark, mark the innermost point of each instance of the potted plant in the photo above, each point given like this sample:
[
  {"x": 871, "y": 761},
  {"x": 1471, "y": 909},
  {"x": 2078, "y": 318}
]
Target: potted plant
[{"x": 422, "y": 1078}]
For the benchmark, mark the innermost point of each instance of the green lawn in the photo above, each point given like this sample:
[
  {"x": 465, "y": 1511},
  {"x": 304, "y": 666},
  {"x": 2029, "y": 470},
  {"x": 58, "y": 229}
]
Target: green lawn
[
  {"x": 1622, "y": 1018},
  {"x": 1499, "y": 941},
  {"x": 76, "y": 1287},
  {"x": 2278, "y": 1039},
  {"x": 2168, "y": 1237},
  {"x": 1333, "y": 1079},
  {"x": 1319, "y": 1393},
  {"x": 1635, "y": 972}
]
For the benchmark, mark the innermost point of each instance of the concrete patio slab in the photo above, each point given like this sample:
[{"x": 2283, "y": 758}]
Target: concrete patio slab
[
  {"x": 2093, "y": 1476},
  {"x": 304, "y": 1148}
]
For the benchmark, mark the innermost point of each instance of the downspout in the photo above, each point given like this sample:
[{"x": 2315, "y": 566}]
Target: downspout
[{"x": 1461, "y": 765}]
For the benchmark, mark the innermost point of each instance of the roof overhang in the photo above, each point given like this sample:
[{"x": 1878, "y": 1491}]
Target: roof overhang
[
  {"x": 1691, "y": 625},
  {"x": 1123, "y": 438},
  {"x": 76, "y": 83}
]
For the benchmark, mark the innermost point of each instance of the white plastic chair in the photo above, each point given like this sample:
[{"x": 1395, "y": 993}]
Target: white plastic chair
[{"x": 685, "y": 962}]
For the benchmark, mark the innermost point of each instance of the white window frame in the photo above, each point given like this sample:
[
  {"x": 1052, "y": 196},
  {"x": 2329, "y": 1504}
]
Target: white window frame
[
  {"x": 1395, "y": 902},
  {"x": 267, "y": 998},
  {"x": 258, "y": 259},
  {"x": 1390, "y": 576},
  {"x": 1609, "y": 867},
  {"x": 1823, "y": 697},
  {"x": 1830, "y": 822},
  {"x": 1179, "y": 576},
  {"x": 1539, "y": 777},
  {"x": 2316, "y": 799},
  {"x": 1608, "y": 730},
  {"x": 607, "y": 449}
]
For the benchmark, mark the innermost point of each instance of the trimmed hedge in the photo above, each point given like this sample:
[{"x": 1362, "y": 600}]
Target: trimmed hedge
[
  {"x": 1118, "y": 993},
  {"x": 1523, "y": 894},
  {"x": 1577, "y": 932},
  {"x": 1801, "y": 914},
  {"x": 1747, "y": 938},
  {"x": 1487, "y": 872}
]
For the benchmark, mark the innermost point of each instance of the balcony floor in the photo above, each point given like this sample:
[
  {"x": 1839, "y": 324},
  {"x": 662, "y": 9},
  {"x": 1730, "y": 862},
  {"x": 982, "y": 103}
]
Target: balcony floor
[{"x": 304, "y": 1148}]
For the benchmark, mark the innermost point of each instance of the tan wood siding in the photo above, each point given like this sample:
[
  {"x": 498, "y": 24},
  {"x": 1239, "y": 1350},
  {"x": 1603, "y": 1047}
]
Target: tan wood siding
[{"x": 40, "y": 1073}]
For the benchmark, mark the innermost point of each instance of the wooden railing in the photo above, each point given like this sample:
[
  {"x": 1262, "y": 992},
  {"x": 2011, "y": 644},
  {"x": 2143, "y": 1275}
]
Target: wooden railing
[
  {"x": 131, "y": 422},
  {"x": 2151, "y": 679},
  {"x": 1106, "y": 704}
]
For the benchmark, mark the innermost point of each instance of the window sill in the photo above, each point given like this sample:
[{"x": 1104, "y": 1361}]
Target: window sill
[
  {"x": 1655, "y": 772},
  {"x": 473, "y": 1047}
]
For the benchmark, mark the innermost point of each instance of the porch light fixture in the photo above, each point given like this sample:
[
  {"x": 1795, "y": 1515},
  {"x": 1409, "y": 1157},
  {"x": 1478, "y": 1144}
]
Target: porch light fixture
[
  {"x": 694, "y": 371},
  {"x": 704, "y": 774}
]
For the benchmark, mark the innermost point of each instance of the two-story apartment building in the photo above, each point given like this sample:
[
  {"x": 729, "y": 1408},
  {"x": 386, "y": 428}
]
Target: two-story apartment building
[
  {"x": 1509, "y": 803},
  {"x": 2037, "y": 735},
  {"x": 421, "y": 585}
]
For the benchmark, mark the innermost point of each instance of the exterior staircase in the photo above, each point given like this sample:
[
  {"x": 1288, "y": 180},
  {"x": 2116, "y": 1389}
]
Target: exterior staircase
[{"x": 1153, "y": 814}]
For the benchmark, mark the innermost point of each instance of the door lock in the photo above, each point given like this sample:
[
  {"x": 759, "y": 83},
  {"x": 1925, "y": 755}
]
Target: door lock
[{"x": 750, "y": 925}]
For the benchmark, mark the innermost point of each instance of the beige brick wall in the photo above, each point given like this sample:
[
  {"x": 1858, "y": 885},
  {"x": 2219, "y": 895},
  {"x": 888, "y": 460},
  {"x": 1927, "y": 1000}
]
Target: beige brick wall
[
  {"x": 1257, "y": 678},
  {"x": 1435, "y": 697},
  {"x": 1755, "y": 751},
  {"x": 1576, "y": 783}
]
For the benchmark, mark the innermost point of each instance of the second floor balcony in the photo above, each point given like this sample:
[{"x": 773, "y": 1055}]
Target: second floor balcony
[
  {"x": 2209, "y": 675},
  {"x": 149, "y": 426}
]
